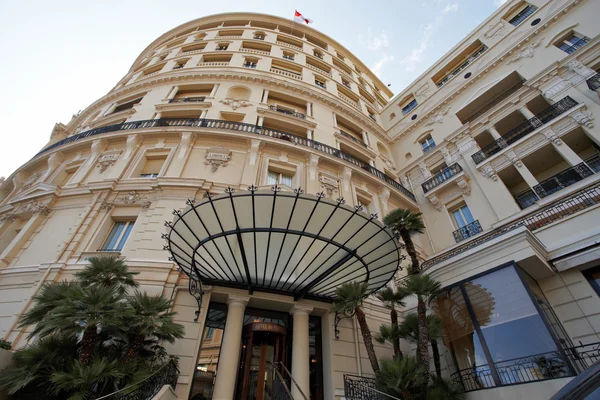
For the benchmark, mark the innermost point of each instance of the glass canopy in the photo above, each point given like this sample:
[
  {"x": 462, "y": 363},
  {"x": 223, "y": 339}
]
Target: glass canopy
[{"x": 283, "y": 242}]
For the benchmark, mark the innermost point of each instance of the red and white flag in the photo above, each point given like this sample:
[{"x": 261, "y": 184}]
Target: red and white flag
[{"x": 301, "y": 18}]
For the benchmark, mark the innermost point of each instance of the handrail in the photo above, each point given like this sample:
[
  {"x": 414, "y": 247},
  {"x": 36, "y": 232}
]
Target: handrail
[
  {"x": 170, "y": 363},
  {"x": 233, "y": 126},
  {"x": 355, "y": 387},
  {"x": 277, "y": 363}
]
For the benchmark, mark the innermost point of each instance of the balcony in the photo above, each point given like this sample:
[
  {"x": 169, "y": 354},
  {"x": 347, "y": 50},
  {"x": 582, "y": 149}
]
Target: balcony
[
  {"x": 594, "y": 82},
  {"x": 163, "y": 123},
  {"x": 562, "y": 180},
  {"x": 428, "y": 148},
  {"x": 470, "y": 60},
  {"x": 352, "y": 138},
  {"x": 287, "y": 112},
  {"x": 524, "y": 129},
  {"x": 441, "y": 177},
  {"x": 526, "y": 198},
  {"x": 467, "y": 231},
  {"x": 285, "y": 72},
  {"x": 189, "y": 100}
]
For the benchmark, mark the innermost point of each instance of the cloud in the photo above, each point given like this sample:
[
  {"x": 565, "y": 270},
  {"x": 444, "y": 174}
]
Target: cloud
[
  {"x": 378, "y": 66},
  {"x": 498, "y": 3},
  {"x": 452, "y": 7},
  {"x": 375, "y": 43},
  {"x": 416, "y": 55}
]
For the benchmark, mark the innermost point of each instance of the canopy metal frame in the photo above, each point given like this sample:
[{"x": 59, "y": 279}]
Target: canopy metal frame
[{"x": 206, "y": 240}]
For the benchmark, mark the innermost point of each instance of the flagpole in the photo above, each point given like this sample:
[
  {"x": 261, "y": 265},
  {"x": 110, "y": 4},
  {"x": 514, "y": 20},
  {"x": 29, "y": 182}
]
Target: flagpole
[{"x": 293, "y": 23}]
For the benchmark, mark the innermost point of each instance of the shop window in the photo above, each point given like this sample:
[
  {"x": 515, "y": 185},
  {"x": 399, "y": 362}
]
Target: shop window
[{"x": 117, "y": 237}]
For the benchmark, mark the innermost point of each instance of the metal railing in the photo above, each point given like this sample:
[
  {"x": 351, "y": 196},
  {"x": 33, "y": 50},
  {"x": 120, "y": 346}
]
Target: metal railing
[
  {"x": 525, "y": 129},
  {"x": 467, "y": 231},
  {"x": 522, "y": 15},
  {"x": 441, "y": 177},
  {"x": 526, "y": 198},
  {"x": 149, "y": 387},
  {"x": 188, "y": 100},
  {"x": 462, "y": 66},
  {"x": 428, "y": 148},
  {"x": 363, "y": 388},
  {"x": 352, "y": 138},
  {"x": 233, "y": 126},
  {"x": 575, "y": 46},
  {"x": 286, "y": 111},
  {"x": 594, "y": 82},
  {"x": 282, "y": 383},
  {"x": 557, "y": 210},
  {"x": 551, "y": 365},
  {"x": 562, "y": 180},
  {"x": 594, "y": 162}
]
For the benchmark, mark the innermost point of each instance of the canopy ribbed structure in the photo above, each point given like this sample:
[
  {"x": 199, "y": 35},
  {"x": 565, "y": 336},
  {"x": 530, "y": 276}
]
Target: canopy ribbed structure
[{"x": 282, "y": 242}]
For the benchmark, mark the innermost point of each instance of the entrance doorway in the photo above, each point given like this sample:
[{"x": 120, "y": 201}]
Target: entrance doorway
[{"x": 264, "y": 348}]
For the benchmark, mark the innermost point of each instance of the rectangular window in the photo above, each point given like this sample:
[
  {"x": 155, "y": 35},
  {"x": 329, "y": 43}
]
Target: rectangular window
[
  {"x": 410, "y": 106},
  {"x": 250, "y": 64},
  {"x": 522, "y": 15},
  {"x": 572, "y": 43},
  {"x": 152, "y": 166},
  {"x": 321, "y": 83},
  {"x": 222, "y": 47},
  {"x": 462, "y": 216},
  {"x": 427, "y": 144},
  {"x": 288, "y": 56},
  {"x": 278, "y": 178},
  {"x": 118, "y": 236},
  {"x": 259, "y": 37},
  {"x": 593, "y": 277}
]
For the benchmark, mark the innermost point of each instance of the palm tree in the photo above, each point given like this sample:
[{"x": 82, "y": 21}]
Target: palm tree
[
  {"x": 403, "y": 378},
  {"x": 444, "y": 389},
  {"x": 407, "y": 223},
  {"x": 107, "y": 271},
  {"x": 409, "y": 329},
  {"x": 422, "y": 286},
  {"x": 150, "y": 317},
  {"x": 50, "y": 296},
  {"x": 350, "y": 296},
  {"x": 390, "y": 299}
]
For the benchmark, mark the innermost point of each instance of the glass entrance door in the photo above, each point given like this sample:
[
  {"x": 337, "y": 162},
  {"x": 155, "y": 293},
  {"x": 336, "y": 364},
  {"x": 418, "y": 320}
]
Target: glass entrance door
[{"x": 264, "y": 346}]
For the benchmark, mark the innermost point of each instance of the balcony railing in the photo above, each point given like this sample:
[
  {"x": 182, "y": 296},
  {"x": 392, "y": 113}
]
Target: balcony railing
[
  {"x": 526, "y": 198},
  {"x": 525, "y": 129},
  {"x": 551, "y": 365},
  {"x": 199, "y": 99},
  {"x": 288, "y": 112},
  {"x": 555, "y": 211},
  {"x": 562, "y": 180},
  {"x": 522, "y": 16},
  {"x": 503, "y": 95},
  {"x": 441, "y": 177},
  {"x": 428, "y": 148},
  {"x": 462, "y": 66},
  {"x": 594, "y": 82},
  {"x": 575, "y": 46},
  {"x": 467, "y": 231},
  {"x": 352, "y": 137},
  {"x": 233, "y": 126},
  {"x": 363, "y": 388},
  {"x": 285, "y": 72},
  {"x": 594, "y": 163}
]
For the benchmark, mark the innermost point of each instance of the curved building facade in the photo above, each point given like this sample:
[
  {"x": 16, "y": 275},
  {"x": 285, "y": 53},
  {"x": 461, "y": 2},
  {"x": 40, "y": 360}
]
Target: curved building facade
[{"x": 242, "y": 166}]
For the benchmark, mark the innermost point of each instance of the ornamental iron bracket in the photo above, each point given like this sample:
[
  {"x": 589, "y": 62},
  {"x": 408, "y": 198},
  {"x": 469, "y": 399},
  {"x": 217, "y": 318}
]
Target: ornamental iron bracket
[
  {"x": 348, "y": 312},
  {"x": 195, "y": 289}
]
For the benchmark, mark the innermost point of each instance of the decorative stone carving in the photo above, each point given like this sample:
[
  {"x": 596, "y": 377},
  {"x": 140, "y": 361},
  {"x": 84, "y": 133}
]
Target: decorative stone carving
[
  {"x": 329, "y": 183},
  {"x": 106, "y": 160},
  {"x": 439, "y": 117},
  {"x": 499, "y": 162},
  {"x": 423, "y": 90},
  {"x": 583, "y": 118},
  {"x": 527, "y": 52},
  {"x": 451, "y": 196},
  {"x": 496, "y": 29},
  {"x": 533, "y": 142},
  {"x": 552, "y": 136},
  {"x": 105, "y": 206},
  {"x": 463, "y": 185},
  {"x": 557, "y": 88},
  {"x": 435, "y": 201},
  {"x": 32, "y": 179},
  {"x": 187, "y": 138},
  {"x": 235, "y": 103},
  {"x": 131, "y": 198},
  {"x": 564, "y": 125},
  {"x": 489, "y": 172},
  {"x": 36, "y": 207},
  {"x": 405, "y": 181},
  {"x": 388, "y": 163},
  {"x": 580, "y": 69},
  {"x": 514, "y": 159},
  {"x": 424, "y": 170},
  {"x": 146, "y": 204},
  {"x": 217, "y": 156},
  {"x": 313, "y": 163},
  {"x": 447, "y": 156},
  {"x": 467, "y": 146},
  {"x": 8, "y": 218}
]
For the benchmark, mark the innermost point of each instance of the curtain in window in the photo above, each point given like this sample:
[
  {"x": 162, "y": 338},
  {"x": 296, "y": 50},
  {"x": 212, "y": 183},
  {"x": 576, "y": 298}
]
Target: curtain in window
[{"x": 273, "y": 178}]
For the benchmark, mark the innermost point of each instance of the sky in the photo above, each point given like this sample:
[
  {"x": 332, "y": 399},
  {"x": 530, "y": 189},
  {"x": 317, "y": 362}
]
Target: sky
[{"x": 59, "y": 56}]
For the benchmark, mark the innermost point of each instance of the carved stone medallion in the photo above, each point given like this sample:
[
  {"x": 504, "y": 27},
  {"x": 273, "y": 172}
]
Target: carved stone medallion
[
  {"x": 217, "y": 156},
  {"x": 235, "y": 103}
]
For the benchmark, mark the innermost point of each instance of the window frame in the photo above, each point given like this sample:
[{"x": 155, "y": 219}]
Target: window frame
[
  {"x": 427, "y": 144},
  {"x": 122, "y": 237},
  {"x": 409, "y": 106},
  {"x": 280, "y": 176},
  {"x": 587, "y": 274}
]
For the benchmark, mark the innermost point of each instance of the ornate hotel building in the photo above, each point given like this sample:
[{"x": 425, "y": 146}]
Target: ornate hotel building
[{"x": 272, "y": 153}]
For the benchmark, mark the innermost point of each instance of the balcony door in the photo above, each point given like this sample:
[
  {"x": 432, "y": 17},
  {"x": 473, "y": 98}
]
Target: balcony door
[{"x": 462, "y": 216}]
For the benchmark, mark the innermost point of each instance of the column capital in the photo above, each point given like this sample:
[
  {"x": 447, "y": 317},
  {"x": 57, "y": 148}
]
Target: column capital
[
  {"x": 300, "y": 309},
  {"x": 233, "y": 299}
]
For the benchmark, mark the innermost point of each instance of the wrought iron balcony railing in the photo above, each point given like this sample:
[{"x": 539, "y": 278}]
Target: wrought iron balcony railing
[
  {"x": 557, "y": 210},
  {"x": 594, "y": 82},
  {"x": 233, "y": 126},
  {"x": 462, "y": 66},
  {"x": 363, "y": 388},
  {"x": 594, "y": 163},
  {"x": 556, "y": 364},
  {"x": 188, "y": 100},
  {"x": 351, "y": 137},
  {"x": 467, "y": 231},
  {"x": 575, "y": 46},
  {"x": 288, "y": 112},
  {"x": 441, "y": 177},
  {"x": 428, "y": 148},
  {"x": 562, "y": 180},
  {"x": 526, "y": 198},
  {"x": 525, "y": 129},
  {"x": 522, "y": 15}
]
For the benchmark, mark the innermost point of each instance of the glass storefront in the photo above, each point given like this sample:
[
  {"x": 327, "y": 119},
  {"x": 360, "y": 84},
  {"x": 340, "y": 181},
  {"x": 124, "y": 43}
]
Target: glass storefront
[{"x": 498, "y": 333}]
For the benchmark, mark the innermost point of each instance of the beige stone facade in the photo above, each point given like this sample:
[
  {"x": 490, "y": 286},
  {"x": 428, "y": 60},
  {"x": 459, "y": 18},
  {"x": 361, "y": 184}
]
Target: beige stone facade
[{"x": 496, "y": 144}]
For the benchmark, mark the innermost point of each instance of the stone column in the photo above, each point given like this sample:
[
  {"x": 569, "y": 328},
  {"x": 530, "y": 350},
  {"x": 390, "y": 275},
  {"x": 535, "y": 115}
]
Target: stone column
[
  {"x": 494, "y": 132},
  {"x": 213, "y": 92},
  {"x": 260, "y": 121},
  {"x": 203, "y": 114},
  {"x": 309, "y": 134},
  {"x": 526, "y": 112},
  {"x": 265, "y": 97},
  {"x": 300, "y": 352},
  {"x": 174, "y": 91},
  {"x": 365, "y": 137},
  {"x": 309, "y": 108},
  {"x": 567, "y": 153},
  {"x": 526, "y": 174},
  {"x": 230, "y": 349}
]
